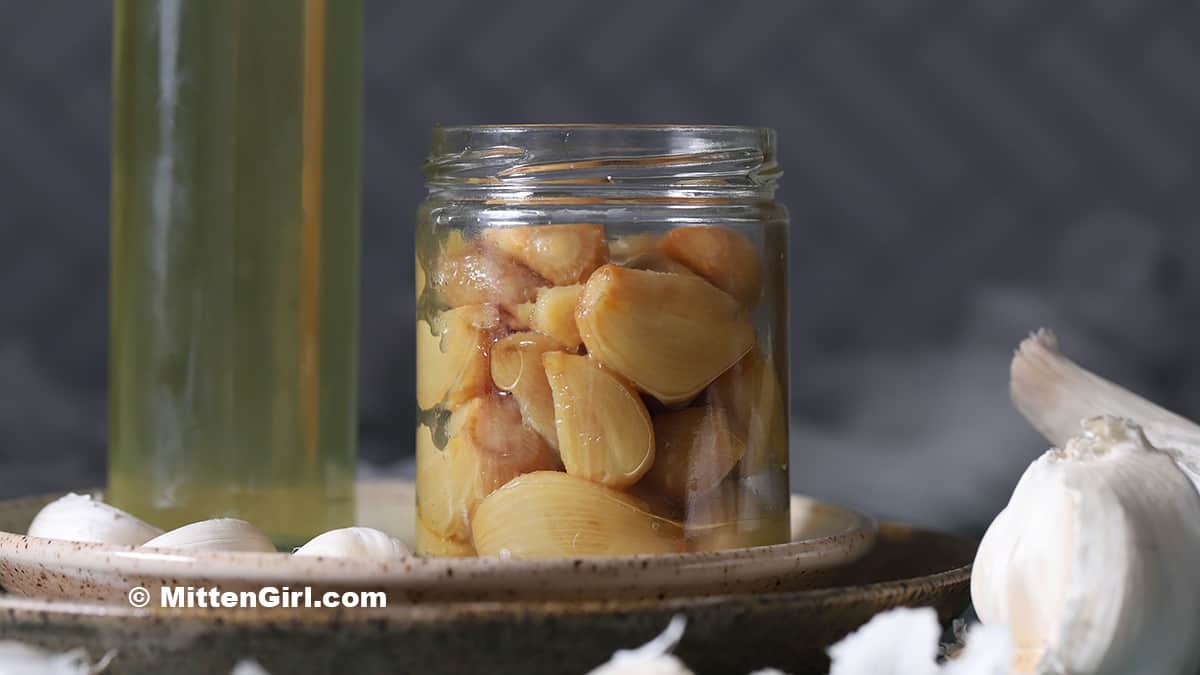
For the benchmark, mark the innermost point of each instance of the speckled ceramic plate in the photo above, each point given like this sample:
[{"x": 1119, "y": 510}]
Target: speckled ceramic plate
[
  {"x": 725, "y": 634},
  {"x": 824, "y": 537}
]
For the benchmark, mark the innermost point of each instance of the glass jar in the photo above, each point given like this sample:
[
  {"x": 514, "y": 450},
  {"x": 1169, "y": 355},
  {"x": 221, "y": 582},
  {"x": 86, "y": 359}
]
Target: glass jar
[
  {"x": 235, "y": 262},
  {"x": 601, "y": 341}
]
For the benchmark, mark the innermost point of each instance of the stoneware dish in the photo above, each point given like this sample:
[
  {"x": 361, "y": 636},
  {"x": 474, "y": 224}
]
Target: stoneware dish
[
  {"x": 825, "y": 537},
  {"x": 732, "y": 634}
]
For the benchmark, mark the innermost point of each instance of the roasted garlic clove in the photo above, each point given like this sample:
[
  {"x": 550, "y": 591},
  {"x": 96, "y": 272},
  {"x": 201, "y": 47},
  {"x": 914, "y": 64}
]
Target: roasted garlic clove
[
  {"x": 657, "y": 261},
  {"x": 477, "y": 274},
  {"x": 670, "y": 334},
  {"x": 550, "y": 515},
  {"x": 694, "y": 449},
  {"x": 604, "y": 432},
  {"x": 752, "y": 396},
  {"x": 722, "y": 255},
  {"x": 554, "y": 314},
  {"x": 564, "y": 254},
  {"x": 517, "y": 369},
  {"x": 627, "y": 247},
  {"x": 489, "y": 446},
  {"x": 432, "y": 544},
  {"x": 452, "y": 355}
]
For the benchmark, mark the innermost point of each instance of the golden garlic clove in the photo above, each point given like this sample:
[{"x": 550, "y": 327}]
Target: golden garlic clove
[
  {"x": 452, "y": 355},
  {"x": 752, "y": 396},
  {"x": 432, "y": 544},
  {"x": 627, "y": 247},
  {"x": 564, "y": 254},
  {"x": 519, "y": 317},
  {"x": 554, "y": 314},
  {"x": 722, "y": 255},
  {"x": 694, "y": 449},
  {"x": 476, "y": 274},
  {"x": 553, "y": 515},
  {"x": 517, "y": 368},
  {"x": 488, "y": 447},
  {"x": 604, "y": 432},
  {"x": 657, "y": 261},
  {"x": 670, "y": 334}
]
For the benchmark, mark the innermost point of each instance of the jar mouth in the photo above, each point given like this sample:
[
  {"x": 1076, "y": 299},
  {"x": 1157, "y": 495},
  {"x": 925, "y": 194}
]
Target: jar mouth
[{"x": 602, "y": 156}]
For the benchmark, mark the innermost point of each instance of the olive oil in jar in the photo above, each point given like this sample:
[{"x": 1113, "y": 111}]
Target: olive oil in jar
[{"x": 235, "y": 262}]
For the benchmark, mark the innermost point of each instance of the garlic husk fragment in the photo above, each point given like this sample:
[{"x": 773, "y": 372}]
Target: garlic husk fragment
[
  {"x": 83, "y": 518},
  {"x": 901, "y": 641},
  {"x": 219, "y": 534},
  {"x": 1091, "y": 565},
  {"x": 364, "y": 543},
  {"x": 652, "y": 658},
  {"x": 17, "y": 658},
  {"x": 1054, "y": 394}
]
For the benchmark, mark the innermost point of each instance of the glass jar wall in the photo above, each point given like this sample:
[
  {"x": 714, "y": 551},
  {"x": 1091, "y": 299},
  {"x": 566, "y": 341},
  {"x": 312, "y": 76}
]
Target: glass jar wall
[{"x": 601, "y": 346}]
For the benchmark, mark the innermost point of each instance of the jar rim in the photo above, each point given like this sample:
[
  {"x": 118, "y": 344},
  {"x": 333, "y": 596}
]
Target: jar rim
[{"x": 609, "y": 155}]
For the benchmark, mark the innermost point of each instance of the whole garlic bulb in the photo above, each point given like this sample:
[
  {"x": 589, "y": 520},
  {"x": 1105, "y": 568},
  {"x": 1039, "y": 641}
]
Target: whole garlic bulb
[
  {"x": 1092, "y": 564},
  {"x": 219, "y": 534},
  {"x": 355, "y": 542},
  {"x": 82, "y": 518}
]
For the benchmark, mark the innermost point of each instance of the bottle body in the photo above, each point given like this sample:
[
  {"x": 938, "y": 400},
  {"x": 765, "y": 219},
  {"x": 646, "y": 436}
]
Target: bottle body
[
  {"x": 601, "y": 368},
  {"x": 235, "y": 257}
]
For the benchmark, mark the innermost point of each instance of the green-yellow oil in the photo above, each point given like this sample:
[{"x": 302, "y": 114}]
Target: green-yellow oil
[{"x": 235, "y": 261}]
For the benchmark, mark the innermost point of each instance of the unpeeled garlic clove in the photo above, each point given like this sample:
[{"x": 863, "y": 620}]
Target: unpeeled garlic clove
[
  {"x": 75, "y": 517},
  {"x": 1090, "y": 564},
  {"x": 722, "y": 255},
  {"x": 476, "y": 274},
  {"x": 604, "y": 431},
  {"x": 694, "y": 449},
  {"x": 554, "y": 314},
  {"x": 1054, "y": 393},
  {"x": 517, "y": 369},
  {"x": 671, "y": 335},
  {"x": 452, "y": 355},
  {"x": 563, "y": 254},
  {"x": 363, "y": 543},
  {"x": 548, "y": 514},
  {"x": 218, "y": 534}
]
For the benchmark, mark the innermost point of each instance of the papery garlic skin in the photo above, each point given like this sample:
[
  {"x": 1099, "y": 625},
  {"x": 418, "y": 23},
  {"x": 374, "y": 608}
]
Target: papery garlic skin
[
  {"x": 1054, "y": 394},
  {"x": 1094, "y": 560},
  {"x": 83, "y": 518},
  {"x": 363, "y": 543},
  {"x": 219, "y": 534}
]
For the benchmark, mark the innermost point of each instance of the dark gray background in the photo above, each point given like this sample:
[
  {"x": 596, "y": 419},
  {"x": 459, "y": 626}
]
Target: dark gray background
[{"x": 959, "y": 173}]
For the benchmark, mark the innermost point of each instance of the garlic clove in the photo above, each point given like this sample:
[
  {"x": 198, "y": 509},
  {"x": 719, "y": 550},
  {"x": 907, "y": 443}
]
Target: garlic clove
[
  {"x": 517, "y": 369},
  {"x": 694, "y": 449},
  {"x": 83, "y": 518},
  {"x": 671, "y": 335},
  {"x": 452, "y": 355},
  {"x": 554, "y": 314},
  {"x": 604, "y": 431},
  {"x": 1086, "y": 563},
  {"x": 430, "y": 543},
  {"x": 476, "y": 274},
  {"x": 218, "y": 534},
  {"x": 548, "y": 514},
  {"x": 722, "y": 255},
  {"x": 752, "y": 396},
  {"x": 1054, "y": 394},
  {"x": 364, "y": 543},
  {"x": 563, "y": 254}
]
